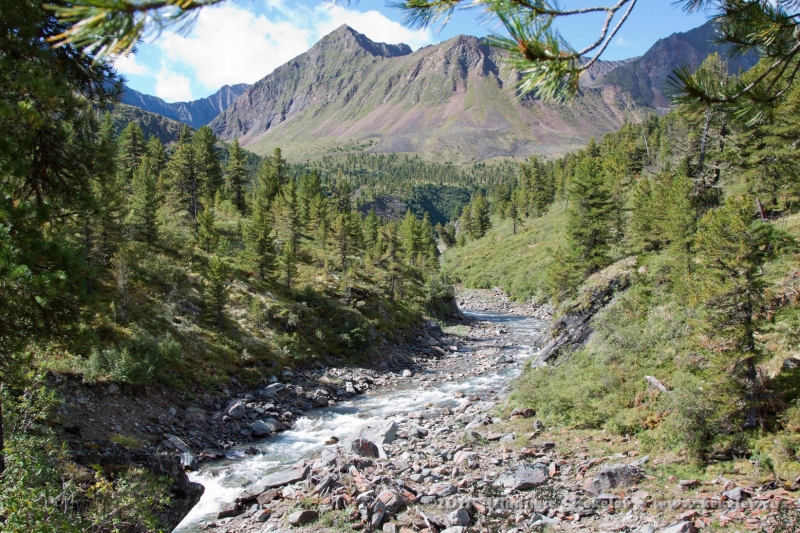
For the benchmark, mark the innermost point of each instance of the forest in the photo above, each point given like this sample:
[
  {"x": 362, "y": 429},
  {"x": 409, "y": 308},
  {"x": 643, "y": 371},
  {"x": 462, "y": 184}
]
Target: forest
[{"x": 127, "y": 261}]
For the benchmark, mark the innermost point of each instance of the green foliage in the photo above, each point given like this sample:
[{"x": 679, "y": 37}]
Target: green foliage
[
  {"x": 138, "y": 362},
  {"x": 218, "y": 277}
]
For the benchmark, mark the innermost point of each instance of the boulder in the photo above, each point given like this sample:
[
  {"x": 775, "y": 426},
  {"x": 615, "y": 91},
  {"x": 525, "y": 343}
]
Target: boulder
[
  {"x": 230, "y": 510},
  {"x": 462, "y": 456},
  {"x": 441, "y": 490},
  {"x": 188, "y": 461},
  {"x": 612, "y": 477},
  {"x": 267, "y": 497},
  {"x": 459, "y": 517},
  {"x": 505, "y": 359},
  {"x": 364, "y": 448},
  {"x": 522, "y": 478},
  {"x": 392, "y": 500},
  {"x": 235, "y": 410},
  {"x": 407, "y": 373},
  {"x": 259, "y": 428},
  {"x": 682, "y": 527},
  {"x": 262, "y": 516},
  {"x": 279, "y": 479},
  {"x": 302, "y": 518},
  {"x": 378, "y": 433}
]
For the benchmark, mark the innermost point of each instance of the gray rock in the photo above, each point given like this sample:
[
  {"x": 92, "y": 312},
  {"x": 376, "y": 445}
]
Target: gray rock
[
  {"x": 737, "y": 494},
  {"x": 262, "y": 516},
  {"x": 231, "y": 510},
  {"x": 235, "y": 410},
  {"x": 505, "y": 359},
  {"x": 363, "y": 448},
  {"x": 407, "y": 373},
  {"x": 440, "y": 490},
  {"x": 188, "y": 461},
  {"x": 348, "y": 387},
  {"x": 522, "y": 478},
  {"x": 302, "y": 518},
  {"x": 178, "y": 444},
  {"x": 259, "y": 428},
  {"x": 455, "y": 529},
  {"x": 647, "y": 528},
  {"x": 462, "y": 456},
  {"x": 459, "y": 517},
  {"x": 279, "y": 479},
  {"x": 789, "y": 363},
  {"x": 683, "y": 527},
  {"x": 391, "y": 528},
  {"x": 392, "y": 501},
  {"x": 379, "y": 433},
  {"x": 612, "y": 477}
]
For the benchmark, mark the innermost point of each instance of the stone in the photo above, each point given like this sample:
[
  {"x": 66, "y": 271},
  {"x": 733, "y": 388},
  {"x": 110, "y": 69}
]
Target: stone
[
  {"x": 259, "y": 428},
  {"x": 282, "y": 478},
  {"x": 364, "y": 448},
  {"x": 188, "y": 461},
  {"x": 737, "y": 494},
  {"x": 495, "y": 436},
  {"x": 302, "y": 518},
  {"x": 455, "y": 529},
  {"x": 612, "y": 477},
  {"x": 262, "y": 516},
  {"x": 378, "y": 433},
  {"x": 230, "y": 510},
  {"x": 504, "y": 359},
  {"x": 235, "y": 410},
  {"x": 267, "y": 497},
  {"x": 462, "y": 456},
  {"x": 440, "y": 490},
  {"x": 790, "y": 363},
  {"x": 391, "y": 528},
  {"x": 459, "y": 517},
  {"x": 348, "y": 387},
  {"x": 538, "y": 425},
  {"x": 178, "y": 444},
  {"x": 392, "y": 500},
  {"x": 647, "y": 528},
  {"x": 407, "y": 373},
  {"x": 522, "y": 478},
  {"x": 524, "y": 413},
  {"x": 682, "y": 527}
]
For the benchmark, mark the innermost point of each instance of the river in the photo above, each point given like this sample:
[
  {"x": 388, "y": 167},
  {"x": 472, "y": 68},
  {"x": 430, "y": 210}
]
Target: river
[{"x": 224, "y": 480}]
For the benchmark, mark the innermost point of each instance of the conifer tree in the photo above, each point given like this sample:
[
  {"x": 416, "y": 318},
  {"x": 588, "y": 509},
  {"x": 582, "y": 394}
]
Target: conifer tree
[
  {"x": 236, "y": 175},
  {"x": 319, "y": 222},
  {"x": 309, "y": 188},
  {"x": 288, "y": 215},
  {"x": 206, "y": 229},
  {"x": 157, "y": 155},
  {"x": 209, "y": 172},
  {"x": 183, "y": 178},
  {"x": 479, "y": 216},
  {"x": 217, "y": 276},
  {"x": 371, "y": 227},
  {"x": 108, "y": 206},
  {"x": 260, "y": 242},
  {"x": 145, "y": 201},
  {"x": 590, "y": 217},
  {"x": 344, "y": 234},
  {"x": 390, "y": 260},
  {"x": 271, "y": 177},
  {"x": 131, "y": 149},
  {"x": 514, "y": 212},
  {"x": 288, "y": 264}
]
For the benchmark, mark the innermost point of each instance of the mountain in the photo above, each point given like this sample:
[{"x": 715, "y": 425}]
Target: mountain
[
  {"x": 166, "y": 129},
  {"x": 646, "y": 78},
  {"x": 450, "y": 102},
  {"x": 195, "y": 113}
]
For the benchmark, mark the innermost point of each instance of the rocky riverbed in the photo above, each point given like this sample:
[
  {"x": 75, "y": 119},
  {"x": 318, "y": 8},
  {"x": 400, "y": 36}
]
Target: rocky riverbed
[{"x": 440, "y": 451}]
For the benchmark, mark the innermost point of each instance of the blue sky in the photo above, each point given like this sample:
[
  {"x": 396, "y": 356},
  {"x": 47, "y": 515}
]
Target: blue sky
[{"x": 243, "y": 41}]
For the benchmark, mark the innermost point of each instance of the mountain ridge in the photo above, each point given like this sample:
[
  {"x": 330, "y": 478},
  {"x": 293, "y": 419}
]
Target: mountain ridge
[{"x": 195, "y": 113}]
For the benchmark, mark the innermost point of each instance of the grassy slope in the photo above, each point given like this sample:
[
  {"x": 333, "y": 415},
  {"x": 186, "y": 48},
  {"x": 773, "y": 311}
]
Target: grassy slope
[{"x": 516, "y": 263}]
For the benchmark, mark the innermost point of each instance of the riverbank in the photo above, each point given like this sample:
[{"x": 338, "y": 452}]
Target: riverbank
[{"x": 468, "y": 462}]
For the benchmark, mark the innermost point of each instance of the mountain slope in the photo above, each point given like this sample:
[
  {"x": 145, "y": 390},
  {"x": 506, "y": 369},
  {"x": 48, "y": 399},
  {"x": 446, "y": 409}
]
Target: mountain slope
[
  {"x": 196, "y": 113},
  {"x": 645, "y": 78},
  {"x": 166, "y": 129},
  {"x": 449, "y": 102}
]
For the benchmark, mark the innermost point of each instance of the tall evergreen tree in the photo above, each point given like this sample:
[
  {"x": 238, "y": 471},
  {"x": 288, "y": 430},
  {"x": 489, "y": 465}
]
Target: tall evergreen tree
[
  {"x": 132, "y": 149},
  {"x": 590, "y": 217},
  {"x": 183, "y": 178},
  {"x": 206, "y": 225},
  {"x": 288, "y": 259},
  {"x": 145, "y": 201},
  {"x": 206, "y": 156},
  {"x": 236, "y": 176},
  {"x": 260, "y": 242},
  {"x": 218, "y": 278}
]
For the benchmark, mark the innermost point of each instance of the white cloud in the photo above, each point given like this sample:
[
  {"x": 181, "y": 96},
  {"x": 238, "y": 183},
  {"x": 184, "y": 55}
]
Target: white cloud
[
  {"x": 173, "y": 87},
  {"x": 621, "y": 41},
  {"x": 128, "y": 65},
  {"x": 229, "y": 44}
]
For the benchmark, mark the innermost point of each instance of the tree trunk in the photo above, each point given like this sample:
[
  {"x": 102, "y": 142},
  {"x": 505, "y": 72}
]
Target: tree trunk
[
  {"x": 2, "y": 442},
  {"x": 704, "y": 142}
]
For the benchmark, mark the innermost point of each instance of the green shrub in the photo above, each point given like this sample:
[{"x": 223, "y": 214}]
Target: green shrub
[{"x": 137, "y": 362}]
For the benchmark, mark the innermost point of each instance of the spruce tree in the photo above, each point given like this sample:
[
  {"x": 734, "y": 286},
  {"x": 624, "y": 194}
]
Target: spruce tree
[
  {"x": 260, "y": 242},
  {"x": 145, "y": 202},
  {"x": 206, "y": 225},
  {"x": 217, "y": 276},
  {"x": 371, "y": 227},
  {"x": 288, "y": 264},
  {"x": 590, "y": 217},
  {"x": 209, "y": 172},
  {"x": 236, "y": 176},
  {"x": 288, "y": 215},
  {"x": 479, "y": 215},
  {"x": 157, "y": 155},
  {"x": 184, "y": 181},
  {"x": 132, "y": 148}
]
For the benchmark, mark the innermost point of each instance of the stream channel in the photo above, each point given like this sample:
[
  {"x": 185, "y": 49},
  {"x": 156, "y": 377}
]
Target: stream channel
[{"x": 225, "y": 479}]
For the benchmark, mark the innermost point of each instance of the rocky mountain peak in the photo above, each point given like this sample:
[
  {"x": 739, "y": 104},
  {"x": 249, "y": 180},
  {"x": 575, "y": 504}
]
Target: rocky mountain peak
[{"x": 347, "y": 38}]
